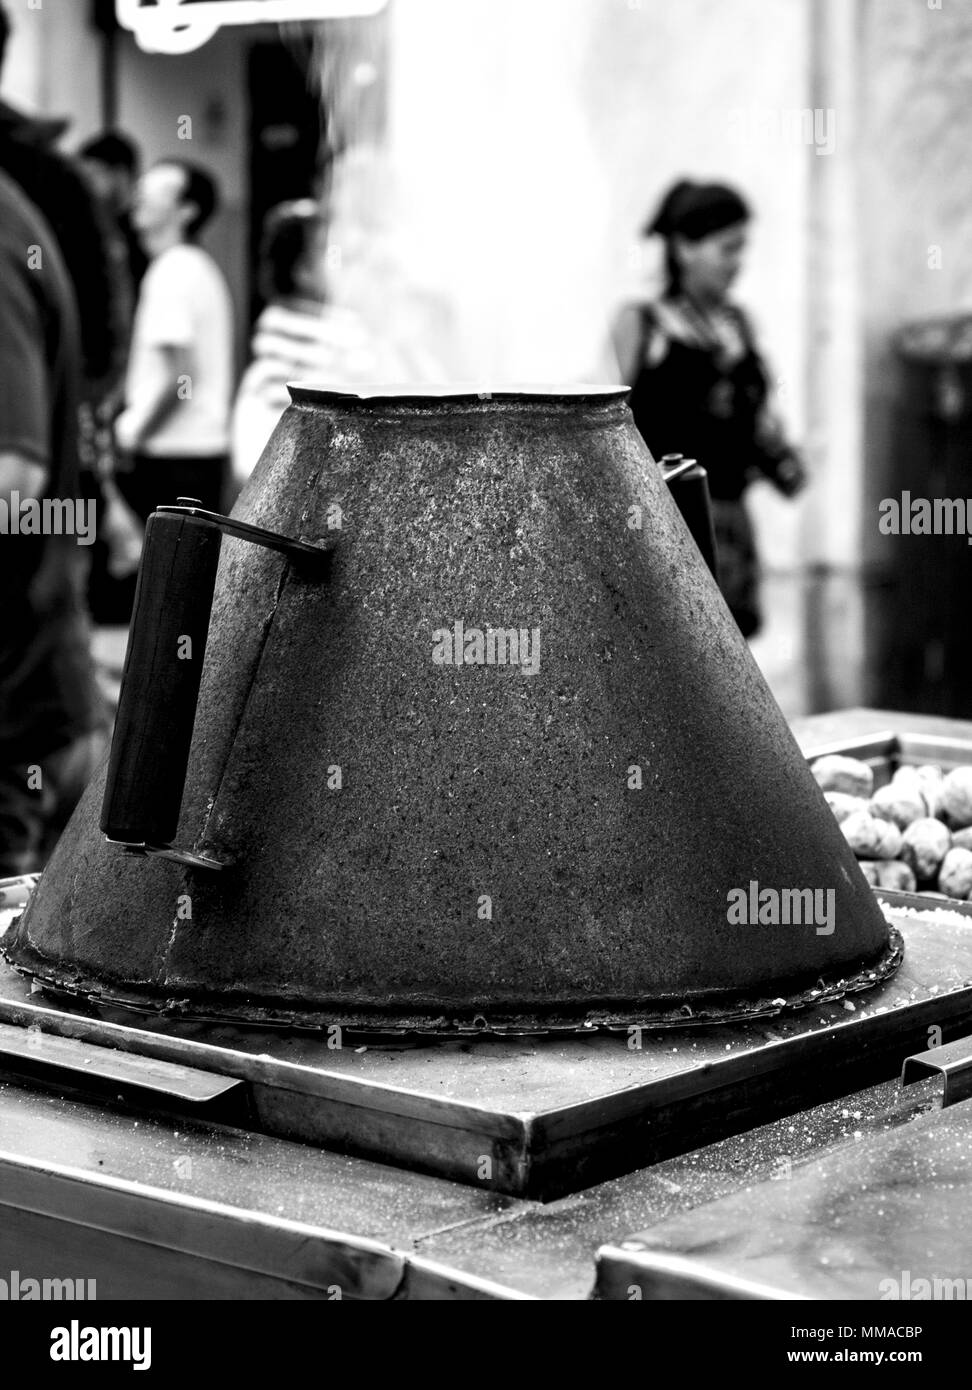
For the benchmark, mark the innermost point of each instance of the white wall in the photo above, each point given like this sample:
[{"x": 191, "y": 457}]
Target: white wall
[{"x": 530, "y": 138}]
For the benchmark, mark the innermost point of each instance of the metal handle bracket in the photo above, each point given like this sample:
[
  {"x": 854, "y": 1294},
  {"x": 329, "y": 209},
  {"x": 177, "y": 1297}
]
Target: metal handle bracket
[
  {"x": 150, "y": 750},
  {"x": 301, "y": 552}
]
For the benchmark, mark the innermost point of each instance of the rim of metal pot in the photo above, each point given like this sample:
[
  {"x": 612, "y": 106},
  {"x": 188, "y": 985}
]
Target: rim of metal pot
[
  {"x": 445, "y": 394},
  {"x": 197, "y": 1005}
]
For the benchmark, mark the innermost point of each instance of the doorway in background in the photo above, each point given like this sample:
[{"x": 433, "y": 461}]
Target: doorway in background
[{"x": 286, "y": 136}]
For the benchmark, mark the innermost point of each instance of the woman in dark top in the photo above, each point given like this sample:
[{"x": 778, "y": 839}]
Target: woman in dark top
[{"x": 699, "y": 385}]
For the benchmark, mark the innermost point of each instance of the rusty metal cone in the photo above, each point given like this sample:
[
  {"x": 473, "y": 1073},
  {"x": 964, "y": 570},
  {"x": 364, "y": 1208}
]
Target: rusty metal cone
[{"x": 547, "y": 842}]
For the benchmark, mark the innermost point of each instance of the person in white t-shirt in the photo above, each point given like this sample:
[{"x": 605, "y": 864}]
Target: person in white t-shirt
[{"x": 174, "y": 429}]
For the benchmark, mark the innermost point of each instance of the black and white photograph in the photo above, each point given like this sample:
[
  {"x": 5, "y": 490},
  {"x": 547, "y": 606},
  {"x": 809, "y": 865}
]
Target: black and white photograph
[{"x": 485, "y": 671}]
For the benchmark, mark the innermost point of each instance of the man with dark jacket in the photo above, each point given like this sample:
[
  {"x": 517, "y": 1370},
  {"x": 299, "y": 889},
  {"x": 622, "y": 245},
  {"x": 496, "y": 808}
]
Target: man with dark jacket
[
  {"x": 59, "y": 190},
  {"x": 51, "y": 715}
]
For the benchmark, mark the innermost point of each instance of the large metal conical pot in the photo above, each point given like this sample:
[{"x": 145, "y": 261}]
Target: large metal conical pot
[{"x": 425, "y": 823}]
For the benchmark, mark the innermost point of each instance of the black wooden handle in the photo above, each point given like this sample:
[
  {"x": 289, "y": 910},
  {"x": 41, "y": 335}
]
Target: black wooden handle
[
  {"x": 160, "y": 684},
  {"x": 688, "y": 483}
]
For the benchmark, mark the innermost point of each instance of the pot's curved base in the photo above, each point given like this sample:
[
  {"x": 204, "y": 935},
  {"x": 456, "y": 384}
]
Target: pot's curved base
[{"x": 612, "y": 1014}]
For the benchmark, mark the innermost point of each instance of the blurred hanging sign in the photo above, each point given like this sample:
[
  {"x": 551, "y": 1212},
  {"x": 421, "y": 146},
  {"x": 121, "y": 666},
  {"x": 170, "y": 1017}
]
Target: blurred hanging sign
[{"x": 178, "y": 26}]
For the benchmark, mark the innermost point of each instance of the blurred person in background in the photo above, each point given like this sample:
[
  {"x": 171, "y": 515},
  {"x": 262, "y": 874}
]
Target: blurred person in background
[
  {"x": 111, "y": 162},
  {"x": 174, "y": 429},
  {"x": 59, "y": 189},
  {"x": 342, "y": 311},
  {"x": 52, "y": 721},
  {"x": 699, "y": 384},
  {"x": 291, "y": 337}
]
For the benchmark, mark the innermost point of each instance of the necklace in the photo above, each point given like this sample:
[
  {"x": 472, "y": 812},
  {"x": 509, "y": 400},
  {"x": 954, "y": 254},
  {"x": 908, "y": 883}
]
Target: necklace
[{"x": 715, "y": 329}]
